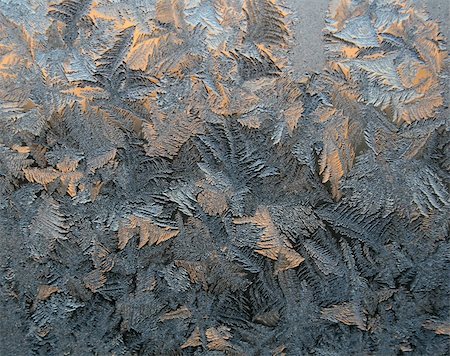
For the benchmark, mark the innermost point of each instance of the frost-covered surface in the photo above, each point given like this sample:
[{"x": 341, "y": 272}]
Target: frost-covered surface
[{"x": 171, "y": 184}]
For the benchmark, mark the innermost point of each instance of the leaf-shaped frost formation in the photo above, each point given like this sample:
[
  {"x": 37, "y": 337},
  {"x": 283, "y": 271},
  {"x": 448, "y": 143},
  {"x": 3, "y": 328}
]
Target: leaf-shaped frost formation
[
  {"x": 265, "y": 22},
  {"x": 272, "y": 243},
  {"x": 49, "y": 222},
  {"x": 344, "y": 313},
  {"x": 394, "y": 45}
]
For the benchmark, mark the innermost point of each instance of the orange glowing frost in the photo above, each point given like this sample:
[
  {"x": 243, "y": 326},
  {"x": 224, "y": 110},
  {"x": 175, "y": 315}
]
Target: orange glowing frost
[
  {"x": 149, "y": 232},
  {"x": 337, "y": 155},
  {"x": 272, "y": 244},
  {"x": 401, "y": 56},
  {"x": 194, "y": 339},
  {"x": 345, "y": 313}
]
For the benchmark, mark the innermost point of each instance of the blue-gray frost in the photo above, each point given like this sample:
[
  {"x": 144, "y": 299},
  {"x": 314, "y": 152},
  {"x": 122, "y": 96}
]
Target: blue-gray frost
[{"x": 171, "y": 183}]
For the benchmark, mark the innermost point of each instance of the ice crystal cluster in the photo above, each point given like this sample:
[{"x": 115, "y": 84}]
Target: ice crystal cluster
[{"x": 169, "y": 185}]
